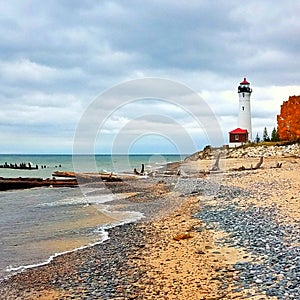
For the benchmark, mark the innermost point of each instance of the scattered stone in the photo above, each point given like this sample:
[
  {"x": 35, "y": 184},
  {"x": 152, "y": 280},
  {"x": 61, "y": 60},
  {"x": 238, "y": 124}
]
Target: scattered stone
[
  {"x": 182, "y": 236},
  {"x": 273, "y": 243}
]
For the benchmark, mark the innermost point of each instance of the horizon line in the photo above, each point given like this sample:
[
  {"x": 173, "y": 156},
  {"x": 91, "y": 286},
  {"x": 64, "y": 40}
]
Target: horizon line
[{"x": 82, "y": 154}]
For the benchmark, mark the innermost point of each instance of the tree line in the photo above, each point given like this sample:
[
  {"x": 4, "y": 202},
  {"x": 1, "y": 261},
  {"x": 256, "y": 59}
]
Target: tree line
[{"x": 266, "y": 138}]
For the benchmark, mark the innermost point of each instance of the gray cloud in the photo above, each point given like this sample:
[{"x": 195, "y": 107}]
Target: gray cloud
[{"x": 57, "y": 56}]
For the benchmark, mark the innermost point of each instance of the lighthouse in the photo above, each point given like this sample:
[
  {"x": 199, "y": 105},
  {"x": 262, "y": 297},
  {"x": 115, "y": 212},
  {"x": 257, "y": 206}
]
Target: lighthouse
[
  {"x": 243, "y": 133},
  {"x": 244, "y": 119}
]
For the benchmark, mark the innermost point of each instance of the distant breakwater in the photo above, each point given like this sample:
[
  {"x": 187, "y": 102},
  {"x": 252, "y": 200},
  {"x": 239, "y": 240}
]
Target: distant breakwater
[{"x": 23, "y": 166}]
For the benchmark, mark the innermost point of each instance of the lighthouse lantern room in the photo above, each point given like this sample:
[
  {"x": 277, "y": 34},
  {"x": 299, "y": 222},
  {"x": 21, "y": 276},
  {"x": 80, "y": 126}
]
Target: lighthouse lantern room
[{"x": 243, "y": 133}]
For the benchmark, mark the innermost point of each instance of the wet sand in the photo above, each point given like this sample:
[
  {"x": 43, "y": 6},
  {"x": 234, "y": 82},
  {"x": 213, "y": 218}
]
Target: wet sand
[{"x": 192, "y": 268}]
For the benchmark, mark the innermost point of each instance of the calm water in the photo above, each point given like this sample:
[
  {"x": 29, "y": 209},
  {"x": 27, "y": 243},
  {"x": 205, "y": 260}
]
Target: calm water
[
  {"x": 37, "y": 224},
  {"x": 115, "y": 163}
]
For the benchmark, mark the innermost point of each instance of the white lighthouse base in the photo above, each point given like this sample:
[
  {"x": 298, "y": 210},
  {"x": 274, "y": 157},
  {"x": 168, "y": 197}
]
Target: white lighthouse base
[{"x": 234, "y": 145}]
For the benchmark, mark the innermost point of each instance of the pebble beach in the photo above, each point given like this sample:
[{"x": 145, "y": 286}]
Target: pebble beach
[{"x": 224, "y": 235}]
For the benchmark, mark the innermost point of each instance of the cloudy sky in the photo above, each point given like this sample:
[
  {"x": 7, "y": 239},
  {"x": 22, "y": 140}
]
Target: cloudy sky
[{"x": 58, "y": 57}]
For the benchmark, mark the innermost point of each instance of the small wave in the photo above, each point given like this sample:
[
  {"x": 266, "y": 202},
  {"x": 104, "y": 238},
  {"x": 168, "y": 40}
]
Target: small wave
[
  {"x": 126, "y": 216},
  {"x": 46, "y": 262},
  {"x": 82, "y": 200},
  {"x": 159, "y": 167},
  {"x": 102, "y": 230}
]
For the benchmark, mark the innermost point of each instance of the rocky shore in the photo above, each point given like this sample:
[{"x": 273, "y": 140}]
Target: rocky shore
[
  {"x": 229, "y": 235},
  {"x": 246, "y": 151},
  {"x": 274, "y": 151}
]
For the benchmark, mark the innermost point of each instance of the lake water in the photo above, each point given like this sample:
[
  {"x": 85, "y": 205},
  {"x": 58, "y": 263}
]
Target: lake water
[{"x": 38, "y": 224}]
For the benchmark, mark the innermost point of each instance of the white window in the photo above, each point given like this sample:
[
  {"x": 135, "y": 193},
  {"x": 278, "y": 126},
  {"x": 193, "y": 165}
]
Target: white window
[{"x": 236, "y": 137}]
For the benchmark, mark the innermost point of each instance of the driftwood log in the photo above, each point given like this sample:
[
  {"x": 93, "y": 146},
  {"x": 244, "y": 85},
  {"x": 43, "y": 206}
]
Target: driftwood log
[
  {"x": 277, "y": 166},
  {"x": 258, "y": 165},
  {"x": 70, "y": 180},
  {"x": 242, "y": 168},
  {"x": 216, "y": 166},
  {"x": 27, "y": 183},
  {"x": 89, "y": 177},
  {"x": 142, "y": 172}
]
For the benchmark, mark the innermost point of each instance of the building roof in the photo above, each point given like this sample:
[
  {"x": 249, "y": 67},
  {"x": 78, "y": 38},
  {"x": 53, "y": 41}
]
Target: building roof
[
  {"x": 238, "y": 130},
  {"x": 245, "y": 81}
]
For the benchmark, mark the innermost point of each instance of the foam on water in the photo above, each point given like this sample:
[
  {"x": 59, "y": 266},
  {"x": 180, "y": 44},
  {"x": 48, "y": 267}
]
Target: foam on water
[
  {"x": 101, "y": 231},
  {"x": 85, "y": 199},
  {"x": 33, "y": 221}
]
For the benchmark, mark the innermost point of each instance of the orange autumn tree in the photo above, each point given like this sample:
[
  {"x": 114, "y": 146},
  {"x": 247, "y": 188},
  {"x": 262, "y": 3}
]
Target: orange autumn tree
[{"x": 289, "y": 119}]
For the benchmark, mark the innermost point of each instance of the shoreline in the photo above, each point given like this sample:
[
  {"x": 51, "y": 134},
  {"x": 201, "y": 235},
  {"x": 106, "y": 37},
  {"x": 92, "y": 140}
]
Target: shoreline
[
  {"x": 45, "y": 281},
  {"x": 102, "y": 230},
  {"x": 143, "y": 261}
]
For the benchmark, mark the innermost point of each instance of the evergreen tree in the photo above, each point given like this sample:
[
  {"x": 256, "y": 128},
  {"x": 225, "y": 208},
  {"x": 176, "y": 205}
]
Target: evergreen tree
[
  {"x": 257, "y": 139},
  {"x": 274, "y": 135},
  {"x": 266, "y": 135}
]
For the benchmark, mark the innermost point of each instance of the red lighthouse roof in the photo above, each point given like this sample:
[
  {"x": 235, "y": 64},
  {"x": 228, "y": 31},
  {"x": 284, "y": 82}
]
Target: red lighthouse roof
[
  {"x": 238, "y": 130},
  {"x": 245, "y": 81}
]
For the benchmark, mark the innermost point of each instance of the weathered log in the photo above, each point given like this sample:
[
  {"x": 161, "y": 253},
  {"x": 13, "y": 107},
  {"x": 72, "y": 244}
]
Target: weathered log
[
  {"x": 143, "y": 169},
  {"x": 64, "y": 174},
  {"x": 142, "y": 172},
  {"x": 109, "y": 177},
  {"x": 216, "y": 167},
  {"x": 27, "y": 183},
  {"x": 242, "y": 168},
  {"x": 277, "y": 166},
  {"x": 259, "y": 163},
  {"x": 88, "y": 177}
]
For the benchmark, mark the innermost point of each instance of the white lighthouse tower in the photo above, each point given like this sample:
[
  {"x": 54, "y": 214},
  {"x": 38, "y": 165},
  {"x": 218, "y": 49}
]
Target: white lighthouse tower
[{"x": 244, "y": 117}]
